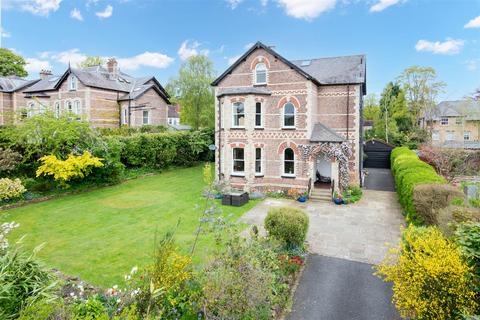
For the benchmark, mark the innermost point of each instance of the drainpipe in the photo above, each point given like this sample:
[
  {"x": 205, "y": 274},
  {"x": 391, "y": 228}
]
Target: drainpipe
[
  {"x": 129, "y": 112},
  {"x": 219, "y": 139},
  {"x": 348, "y": 108}
]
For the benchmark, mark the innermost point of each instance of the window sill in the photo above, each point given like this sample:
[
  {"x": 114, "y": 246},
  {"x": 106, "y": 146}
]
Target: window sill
[
  {"x": 288, "y": 176},
  {"x": 260, "y": 84},
  {"x": 237, "y": 128},
  {"x": 288, "y": 128},
  {"x": 259, "y": 128},
  {"x": 259, "y": 175},
  {"x": 241, "y": 175}
]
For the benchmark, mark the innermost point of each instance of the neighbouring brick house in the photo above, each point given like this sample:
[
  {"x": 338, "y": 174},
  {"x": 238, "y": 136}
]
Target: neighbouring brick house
[
  {"x": 454, "y": 124},
  {"x": 10, "y": 92},
  {"x": 284, "y": 124},
  {"x": 106, "y": 97}
]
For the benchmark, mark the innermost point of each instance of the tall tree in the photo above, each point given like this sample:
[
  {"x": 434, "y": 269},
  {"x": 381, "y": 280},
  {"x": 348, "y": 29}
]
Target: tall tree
[
  {"x": 91, "y": 61},
  {"x": 12, "y": 64},
  {"x": 421, "y": 89},
  {"x": 371, "y": 110},
  {"x": 191, "y": 89}
]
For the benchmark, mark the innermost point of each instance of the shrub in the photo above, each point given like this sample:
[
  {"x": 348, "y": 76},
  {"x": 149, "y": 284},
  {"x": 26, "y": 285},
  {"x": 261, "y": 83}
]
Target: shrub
[
  {"x": 11, "y": 189},
  {"x": 65, "y": 170},
  {"x": 243, "y": 281},
  {"x": 430, "y": 278},
  {"x": 90, "y": 309},
  {"x": 22, "y": 279},
  {"x": 429, "y": 198},
  {"x": 45, "y": 310},
  {"x": 9, "y": 160},
  {"x": 467, "y": 236},
  {"x": 353, "y": 194},
  {"x": 410, "y": 171},
  {"x": 288, "y": 225}
]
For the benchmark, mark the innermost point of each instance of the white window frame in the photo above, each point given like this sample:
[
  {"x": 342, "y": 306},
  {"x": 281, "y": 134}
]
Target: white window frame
[
  {"x": 125, "y": 115},
  {"x": 69, "y": 106},
  {"x": 236, "y": 114},
  {"x": 257, "y": 71},
  {"x": 435, "y": 135},
  {"x": 57, "y": 108},
  {"x": 143, "y": 117},
  {"x": 458, "y": 120},
  {"x": 260, "y": 161},
  {"x": 466, "y": 135},
  {"x": 238, "y": 173},
  {"x": 72, "y": 83},
  {"x": 447, "y": 135},
  {"x": 30, "y": 109},
  {"x": 294, "y": 116},
  {"x": 259, "y": 114},
  {"x": 77, "y": 107},
  {"x": 444, "y": 121},
  {"x": 284, "y": 173}
]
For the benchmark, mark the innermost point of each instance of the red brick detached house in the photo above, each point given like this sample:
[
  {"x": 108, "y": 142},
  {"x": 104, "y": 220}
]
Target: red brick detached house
[{"x": 284, "y": 124}]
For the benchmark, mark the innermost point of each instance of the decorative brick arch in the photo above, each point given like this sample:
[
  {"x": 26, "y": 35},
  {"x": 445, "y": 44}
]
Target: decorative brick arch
[
  {"x": 237, "y": 99},
  {"x": 259, "y": 145},
  {"x": 259, "y": 59},
  {"x": 259, "y": 100},
  {"x": 285, "y": 145},
  {"x": 237, "y": 145},
  {"x": 292, "y": 99}
]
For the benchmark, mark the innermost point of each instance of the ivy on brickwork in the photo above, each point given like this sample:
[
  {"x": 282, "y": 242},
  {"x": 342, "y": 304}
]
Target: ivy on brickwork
[{"x": 339, "y": 151}]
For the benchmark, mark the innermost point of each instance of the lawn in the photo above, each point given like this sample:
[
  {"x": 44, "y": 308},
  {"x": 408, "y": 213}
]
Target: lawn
[{"x": 100, "y": 235}]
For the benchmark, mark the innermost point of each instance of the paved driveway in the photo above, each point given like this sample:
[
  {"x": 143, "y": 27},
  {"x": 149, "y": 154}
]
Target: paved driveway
[
  {"x": 345, "y": 242},
  {"x": 379, "y": 179}
]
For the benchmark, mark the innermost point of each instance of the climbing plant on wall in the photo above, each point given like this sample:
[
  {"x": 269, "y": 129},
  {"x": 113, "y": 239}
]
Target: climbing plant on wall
[{"x": 339, "y": 151}]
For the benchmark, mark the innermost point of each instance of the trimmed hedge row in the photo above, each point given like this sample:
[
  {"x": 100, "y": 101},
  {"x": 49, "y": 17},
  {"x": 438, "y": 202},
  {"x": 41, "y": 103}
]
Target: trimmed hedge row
[{"x": 409, "y": 171}]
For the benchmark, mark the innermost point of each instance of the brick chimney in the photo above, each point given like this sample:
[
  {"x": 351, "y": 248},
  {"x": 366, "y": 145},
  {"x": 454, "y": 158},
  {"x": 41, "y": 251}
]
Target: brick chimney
[
  {"x": 45, "y": 73},
  {"x": 112, "y": 67}
]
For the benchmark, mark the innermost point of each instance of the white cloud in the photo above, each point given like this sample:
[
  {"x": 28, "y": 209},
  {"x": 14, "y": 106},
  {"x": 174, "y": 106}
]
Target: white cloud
[
  {"x": 147, "y": 59},
  {"x": 234, "y": 3},
  {"x": 472, "y": 64},
  {"x": 76, "y": 14},
  {"x": 188, "y": 50},
  {"x": 107, "y": 13},
  {"x": 474, "y": 23},
  {"x": 306, "y": 9},
  {"x": 449, "y": 46},
  {"x": 72, "y": 56},
  {"x": 4, "y": 34},
  {"x": 383, "y": 4},
  {"x": 233, "y": 59},
  {"x": 91, "y": 2},
  {"x": 264, "y": 3},
  {"x": 35, "y": 65},
  {"x": 41, "y": 7}
]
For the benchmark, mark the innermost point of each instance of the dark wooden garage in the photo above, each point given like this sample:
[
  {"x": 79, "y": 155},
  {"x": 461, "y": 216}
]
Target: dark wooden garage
[{"x": 377, "y": 154}]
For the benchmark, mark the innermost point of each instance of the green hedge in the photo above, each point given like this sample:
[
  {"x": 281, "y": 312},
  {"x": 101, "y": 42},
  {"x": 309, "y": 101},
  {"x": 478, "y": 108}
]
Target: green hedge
[
  {"x": 409, "y": 171},
  {"x": 160, "y": 150}
]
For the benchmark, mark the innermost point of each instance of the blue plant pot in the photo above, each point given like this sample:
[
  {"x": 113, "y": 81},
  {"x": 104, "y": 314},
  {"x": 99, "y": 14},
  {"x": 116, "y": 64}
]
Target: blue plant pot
[
  {"x": 302, "y": 199},
  {"x": 338, "y": 201}
]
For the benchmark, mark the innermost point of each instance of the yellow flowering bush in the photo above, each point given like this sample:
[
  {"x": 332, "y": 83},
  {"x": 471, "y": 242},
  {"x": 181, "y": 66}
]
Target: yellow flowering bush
[
  {"x": 65, "y": 170},
  {"x": 430, "y": 278},
  {"x": 10, "y": 189}
]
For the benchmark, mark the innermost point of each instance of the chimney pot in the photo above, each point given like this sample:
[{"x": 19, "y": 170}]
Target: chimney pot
[
  {"x": 112, "y": 67},
  {"x": 45, "y": 73}
]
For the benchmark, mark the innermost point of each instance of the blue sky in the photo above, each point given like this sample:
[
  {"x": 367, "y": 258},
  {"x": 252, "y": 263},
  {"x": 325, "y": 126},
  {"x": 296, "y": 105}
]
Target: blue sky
[{"x": 155, "y": 36}]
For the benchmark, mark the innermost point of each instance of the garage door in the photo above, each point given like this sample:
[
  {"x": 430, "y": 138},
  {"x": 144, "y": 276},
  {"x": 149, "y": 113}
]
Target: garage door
[{"x": 377, "y": 154}]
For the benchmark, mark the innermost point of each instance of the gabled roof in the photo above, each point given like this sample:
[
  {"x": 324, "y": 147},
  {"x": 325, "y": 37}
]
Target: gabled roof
[
  {"x": 99, "y": 77},
  {"x": 14, "y": 83},
  {"x": 322, "y": 133},
  {"x": 469, "y": 109},
  {"x": 321, "y": 71}
]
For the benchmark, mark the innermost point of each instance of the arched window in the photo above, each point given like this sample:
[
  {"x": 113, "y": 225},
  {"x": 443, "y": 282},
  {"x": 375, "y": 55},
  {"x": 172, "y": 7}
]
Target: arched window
[
  {"x": 289, "y": 115},
  {"x": 238, "y": 114},
  {"x": 57, "y": 109},
  {"x": 69, "y": 106},
  {"x": 288, "y": 162},
  {"x": 31, "y": 109},
  {"x": 73, "y": 82},
  {"x": 260, "y": 73}
]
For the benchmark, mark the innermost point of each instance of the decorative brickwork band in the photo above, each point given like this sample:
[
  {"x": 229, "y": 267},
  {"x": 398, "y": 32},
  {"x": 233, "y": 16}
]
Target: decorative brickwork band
[
  {"x": 237, "y": 99},
  {"x": 237, "y": 145},
  {"x": 286, "y": 145}
]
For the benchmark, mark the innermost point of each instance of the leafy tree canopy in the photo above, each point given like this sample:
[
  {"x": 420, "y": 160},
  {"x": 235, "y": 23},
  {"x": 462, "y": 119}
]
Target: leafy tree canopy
[
  {"x": 191, "y": 89},
  {"x": 12, "y": 64},
  {"x": 91, "y": 61}
]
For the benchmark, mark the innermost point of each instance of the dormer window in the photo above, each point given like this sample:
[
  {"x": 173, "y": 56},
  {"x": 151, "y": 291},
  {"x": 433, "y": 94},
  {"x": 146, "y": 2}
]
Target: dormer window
[
  {"x": 73, "y": 83},
  {"x": 261, "y": 73}
]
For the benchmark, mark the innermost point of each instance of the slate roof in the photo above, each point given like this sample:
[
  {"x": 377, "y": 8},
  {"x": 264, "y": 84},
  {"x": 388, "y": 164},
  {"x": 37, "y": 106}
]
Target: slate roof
[
  {"x": 327, "y": 71},
  {"x": 472, "y": 145},
  {"x": 180, "y": 127},
  {"x": 244, "y": 90},
  {"x": 460, "y": 108},
  {"x": 322, "y": 133},
  {"x": 99, "y": 77},
  {"x": 13, "y": 83}
]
